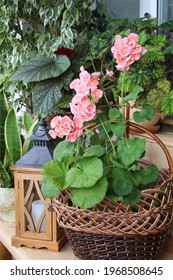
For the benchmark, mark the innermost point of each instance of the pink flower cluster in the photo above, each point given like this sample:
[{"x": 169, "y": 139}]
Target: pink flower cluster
[
  {"x": 82, "y": 107},
  {"x": 126, "y": 50}
]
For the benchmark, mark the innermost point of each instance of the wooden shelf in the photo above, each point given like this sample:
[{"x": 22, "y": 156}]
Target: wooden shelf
[{"x": 25, "y": 253}]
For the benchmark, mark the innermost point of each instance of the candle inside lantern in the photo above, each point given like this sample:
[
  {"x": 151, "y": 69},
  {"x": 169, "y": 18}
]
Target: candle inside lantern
[{"x": 36, "y": 212}]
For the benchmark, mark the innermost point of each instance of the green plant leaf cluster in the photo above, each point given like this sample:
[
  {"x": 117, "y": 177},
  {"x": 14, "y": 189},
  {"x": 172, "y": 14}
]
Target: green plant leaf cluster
[
  {"x": 167, "y": 106},
  {"x": 13, "y": 146},
  {"x": 146, "y": 113},
  {"x": 30, "y": 33},
  {"x": 98, "y": 171}
]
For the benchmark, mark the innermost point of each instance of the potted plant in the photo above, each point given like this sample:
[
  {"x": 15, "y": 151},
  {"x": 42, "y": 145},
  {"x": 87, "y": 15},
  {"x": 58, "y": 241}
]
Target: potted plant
[
  {"x": 96, "y": 171},
  {"x": 13, "y": 146}
]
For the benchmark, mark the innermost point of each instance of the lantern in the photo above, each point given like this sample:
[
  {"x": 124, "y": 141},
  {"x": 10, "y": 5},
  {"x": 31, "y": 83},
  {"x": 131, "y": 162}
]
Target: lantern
[{"x": 36, "y": 225}]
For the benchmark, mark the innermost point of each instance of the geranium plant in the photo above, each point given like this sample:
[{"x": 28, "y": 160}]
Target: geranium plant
[{"x": 97, "y": 159}]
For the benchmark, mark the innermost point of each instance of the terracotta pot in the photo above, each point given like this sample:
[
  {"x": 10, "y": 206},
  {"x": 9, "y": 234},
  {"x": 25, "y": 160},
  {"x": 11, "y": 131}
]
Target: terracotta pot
[{"x": 7, "y": 205}]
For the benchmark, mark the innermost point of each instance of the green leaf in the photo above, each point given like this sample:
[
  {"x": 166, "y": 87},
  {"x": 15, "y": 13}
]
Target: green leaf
[
  {"x": 133, "y": 197},
  {"x": 147, "y": 113},
  {"x": 150, "y": 174},
  {"x": 88, "y": 197},
  {"x": 138, "y": 117},
  {"x": 69, "y": 33},
  {"x": 114, "y": 113},
  {"x": 27, "y": 120},
  {"x": 56, "y": 173},
  {"x": 114, "y": 198},
  {"x": 41, "y": 68},
  {"x": 133, "y": 95},
  {"x": 3, "y": 114},
  {"x": 63, "y": 151},
  {"x": 27, "y": 141},
  {"x": 7, "y": 181},
  {"x": 96, "y": 150},
  {"x": 86, "y": 173},
  {"x": 68, "y": 3},
  {"x": 48, "y": 93},
  {"x": 122, "y": 185},
  {"x": 119, "y": 128},
  {"x": 136, "y": 177},
  {"x": 65, "y": 101},
  {"x": 45, "y": 95},
  {"x": 12, "y": 137},
  {"x": 74, "y": 13},
  {"x": 48, "y": 189},
  {"x": 131, "y": 150}
]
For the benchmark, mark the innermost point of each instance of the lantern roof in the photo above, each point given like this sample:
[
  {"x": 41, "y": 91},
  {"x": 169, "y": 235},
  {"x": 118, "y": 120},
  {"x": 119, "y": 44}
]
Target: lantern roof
[{"x": 42, "y": 150}]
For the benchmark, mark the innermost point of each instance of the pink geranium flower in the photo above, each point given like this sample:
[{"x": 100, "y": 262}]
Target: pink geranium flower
[
  {"x": 132, "y": 37},
  {"x": 97, "y": 93},
  {"x": 126, "y": 50},
  {"x": 55, "y": 121},
  {"x": 109, "y": 73}
]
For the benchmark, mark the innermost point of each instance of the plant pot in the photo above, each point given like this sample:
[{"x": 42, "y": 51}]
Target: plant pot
[
  {"x": 7, "y": 206},
  {"x": 151, "y": 125}
]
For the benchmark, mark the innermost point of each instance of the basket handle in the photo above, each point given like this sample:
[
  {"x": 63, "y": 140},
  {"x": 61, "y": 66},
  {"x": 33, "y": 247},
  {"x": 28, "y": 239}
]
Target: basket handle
[{"x": 158, "y": 141}]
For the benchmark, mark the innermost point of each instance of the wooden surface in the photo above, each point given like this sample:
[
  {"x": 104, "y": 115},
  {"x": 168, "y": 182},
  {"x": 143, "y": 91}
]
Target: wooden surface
[{"x": 25, "y": 253}]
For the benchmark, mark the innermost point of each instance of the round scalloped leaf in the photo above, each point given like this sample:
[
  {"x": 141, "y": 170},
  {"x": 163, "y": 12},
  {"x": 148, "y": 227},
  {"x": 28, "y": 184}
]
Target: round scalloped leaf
[
  {"x": 86, "y": 173},
  {"x": 88, "y": 197}
]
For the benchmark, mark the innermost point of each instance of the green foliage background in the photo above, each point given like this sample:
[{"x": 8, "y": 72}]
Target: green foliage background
[{"x": 31, "y": 27}]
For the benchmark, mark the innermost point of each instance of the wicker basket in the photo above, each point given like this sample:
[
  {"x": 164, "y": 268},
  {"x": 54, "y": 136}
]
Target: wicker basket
[{"x": 115, "y": 231}]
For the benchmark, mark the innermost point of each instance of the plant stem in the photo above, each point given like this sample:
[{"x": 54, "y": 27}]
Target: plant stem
[
  {"x": 122, "y": 93},
  {"x": 108, "y": 137}
]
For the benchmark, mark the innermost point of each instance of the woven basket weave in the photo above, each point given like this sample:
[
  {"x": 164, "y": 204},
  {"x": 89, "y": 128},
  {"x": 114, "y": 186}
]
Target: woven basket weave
[{"x": 113, "y": 230}]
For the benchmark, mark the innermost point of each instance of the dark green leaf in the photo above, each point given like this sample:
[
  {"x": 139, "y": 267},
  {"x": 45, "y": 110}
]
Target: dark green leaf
[
  {"x": 136, "y": 177},
  {"x": 138, "y": 117},
  {"x": 150, "y": 174},
  {"x": 131, "y": 150},
  {"x": 118, "y": 128},
  {"x": 88, "y": 197},
  {"x": 122, "y": 185},
  {"x": 41, "y": 68},
  {"x": 133, "y": 197},
  {"x": 45, "y": 95},
  {"x": 3, "y": 114},
  {"x": 148, "y": 111},
  {"x": 114, "y": 113}
]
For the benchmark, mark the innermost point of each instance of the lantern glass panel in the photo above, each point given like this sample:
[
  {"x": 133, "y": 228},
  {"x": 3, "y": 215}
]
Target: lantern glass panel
[{"x": 34, "y": 206}]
